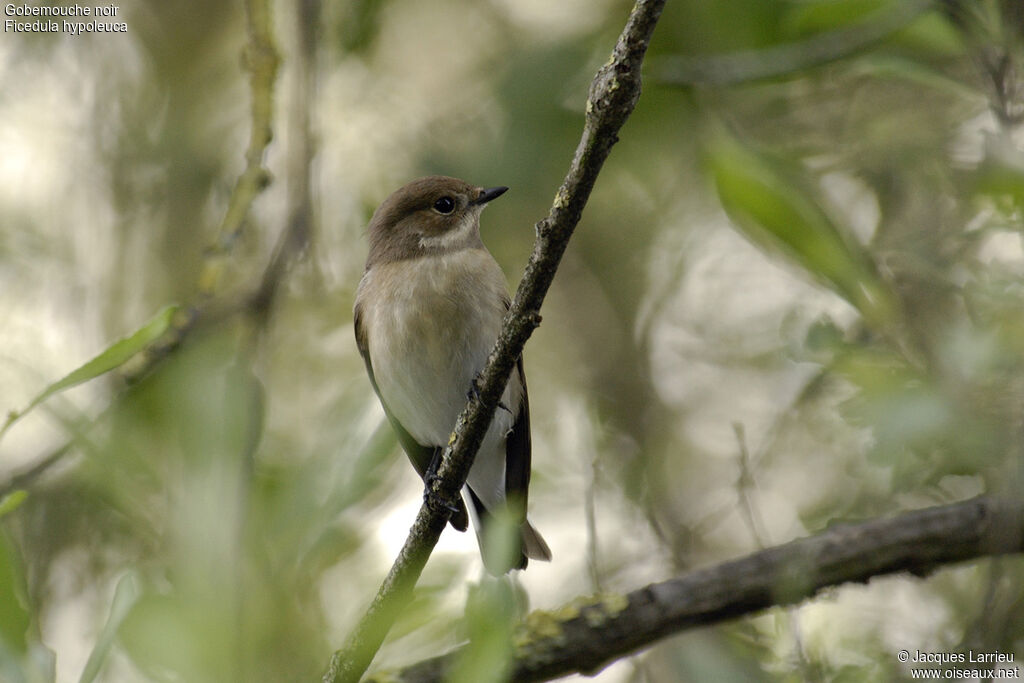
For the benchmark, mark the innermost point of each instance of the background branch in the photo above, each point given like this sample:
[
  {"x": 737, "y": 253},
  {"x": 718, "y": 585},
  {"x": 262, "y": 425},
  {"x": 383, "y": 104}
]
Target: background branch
[
  {"x": 261, "y": 60},
  {"x": 772, "y": 62},
  {"x": 25, "y": 476},
  {"x": 613, "y": 95},
  {"x": 299, "y": 230},
  {"x": 587, "y": 635}
]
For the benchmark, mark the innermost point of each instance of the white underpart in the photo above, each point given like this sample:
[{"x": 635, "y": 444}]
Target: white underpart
[
  {"x": 458, "y": 234},
  {"x": 434, "y": 322}
]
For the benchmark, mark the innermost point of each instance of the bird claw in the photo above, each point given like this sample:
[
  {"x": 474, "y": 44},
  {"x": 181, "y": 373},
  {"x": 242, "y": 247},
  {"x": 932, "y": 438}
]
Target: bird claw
[
  {"x": 431, "y": 497},
  {"x": 434, "y": 499},
  {"x": 474, "y": 393},
  {"x": 474, "y": 388}
]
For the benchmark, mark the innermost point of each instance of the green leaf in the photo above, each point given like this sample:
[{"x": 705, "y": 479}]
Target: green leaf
[
  {"x": 805, "y": 19},
  {"x": 918, "y": 28},
  {"x": 179, "y": 636},
  {"x": 490, "y": 612},
  {"x": 12, "y": 501},
  {"x": 1001, "y": 173},
  {"x": 823, "y": 336},
  {"x": 14, "y": 617},
  {"x": 775, "y": 211},
  {"x": 112, "y": 357},
  {"x": 931, "y": 35}
]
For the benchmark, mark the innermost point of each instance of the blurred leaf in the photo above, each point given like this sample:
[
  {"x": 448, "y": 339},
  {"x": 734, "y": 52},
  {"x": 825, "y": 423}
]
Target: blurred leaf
[
  {"x": 931, "y": 35},
  {"x": 922, "y": 429},
  {"x": 807, "y": 18},
  {"x": 14, "y": 617},
  {"x": 820, "y": 33},
  {"x": 335, "y": 543},
  {"x": 501, "y": 543},
  {"x": 775, "y": 212},
  {"x": 875, "y": 371},
  {"x": 913, "y": 72},
  {"x": 823, "y": 336},
  {"x": 1001, "y": 173},
  {"x": 12, "y": 501},
  {"x": 423, "y": 609},
  {"x": 179, "y": 637},
  {"x": 928, "y": 31},
  {"x": 112, "y": 357},
  {"x": 912, "y": 417},
  {"x": 125, "y": 595},
  {"x": 359, "y": 25},
  {"x": 490, "y": 611}
]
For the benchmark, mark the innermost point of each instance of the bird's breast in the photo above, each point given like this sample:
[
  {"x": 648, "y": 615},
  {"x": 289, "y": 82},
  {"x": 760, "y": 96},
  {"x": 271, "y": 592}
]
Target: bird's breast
[{"x": 430, "y": 324}]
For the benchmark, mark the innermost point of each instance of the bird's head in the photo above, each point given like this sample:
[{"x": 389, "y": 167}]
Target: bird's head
[{"x": 431, "y": 215}]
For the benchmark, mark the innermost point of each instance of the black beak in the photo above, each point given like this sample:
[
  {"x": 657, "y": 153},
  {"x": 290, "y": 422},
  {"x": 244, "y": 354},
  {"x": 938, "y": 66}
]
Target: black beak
[{"x": 488, "y": 194}]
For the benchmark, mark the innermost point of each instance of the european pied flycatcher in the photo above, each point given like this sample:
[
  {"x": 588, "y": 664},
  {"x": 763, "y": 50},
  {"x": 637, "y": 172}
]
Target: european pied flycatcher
[{"x": 428, "y": 311}]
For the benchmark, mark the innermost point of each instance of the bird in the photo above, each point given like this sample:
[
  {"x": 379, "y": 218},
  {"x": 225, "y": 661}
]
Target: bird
[{"x": 428, "y": 309}]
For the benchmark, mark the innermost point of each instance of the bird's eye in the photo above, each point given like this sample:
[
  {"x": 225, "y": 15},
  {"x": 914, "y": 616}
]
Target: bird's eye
[{"x": 444, "y": 205}]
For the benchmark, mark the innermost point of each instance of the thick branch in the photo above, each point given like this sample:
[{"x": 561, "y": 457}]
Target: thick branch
[
  {"x": 613, "y": 95},
  {"x": 587, "y": 635}
]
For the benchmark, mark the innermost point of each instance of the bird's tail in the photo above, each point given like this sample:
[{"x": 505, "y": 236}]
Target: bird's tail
[
  {"x": 533, "y": 545},
  {"x": 497, "y": 561}
]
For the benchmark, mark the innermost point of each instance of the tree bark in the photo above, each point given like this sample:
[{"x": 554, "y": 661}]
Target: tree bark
[{"x": 588, "y": 634}]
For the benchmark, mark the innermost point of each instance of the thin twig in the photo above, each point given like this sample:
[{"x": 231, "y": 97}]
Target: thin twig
[
  {"x": 590, "y": 514},
  {"x": 755, "y": 522},
  {"x": 23, "y": 478},
  {"x": 298, "y": 231},
  {"x": 744, "y": 486},
  {"x": 613, "y": 95},
  {"x": 261, "y": 61}
]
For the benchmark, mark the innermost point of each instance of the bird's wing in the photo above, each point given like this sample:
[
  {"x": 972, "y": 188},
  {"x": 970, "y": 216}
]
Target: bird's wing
[
  {"x": 518, "y": 449},
  {"x": 517, "y": 477},
  {"x": 421, "y": 456}
]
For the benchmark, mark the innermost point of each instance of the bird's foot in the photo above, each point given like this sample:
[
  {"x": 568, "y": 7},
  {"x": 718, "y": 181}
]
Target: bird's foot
[
  {"x": 430, "y": 496},
  {"x": 474, "y": 388},
  {"x": 474, "y": 393},
  {"x": 435, "y": 500}
]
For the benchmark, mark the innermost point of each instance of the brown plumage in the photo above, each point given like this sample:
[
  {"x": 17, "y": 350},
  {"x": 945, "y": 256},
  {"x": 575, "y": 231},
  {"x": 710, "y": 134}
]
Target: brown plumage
[{"x": 428, "y": 310}]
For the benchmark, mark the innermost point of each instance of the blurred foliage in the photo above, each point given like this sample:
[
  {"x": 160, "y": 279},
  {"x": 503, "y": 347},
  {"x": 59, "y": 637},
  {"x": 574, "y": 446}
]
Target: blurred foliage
[
  {"x": 808, "y": 238},
  {"x": 773, "y": 212},
  {"x": 113, "y": 357}
]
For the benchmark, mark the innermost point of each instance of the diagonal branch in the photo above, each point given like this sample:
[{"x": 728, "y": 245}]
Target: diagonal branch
[
  {"x": 589, "y": 634},
  {"x": 613, "y": 95}
]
